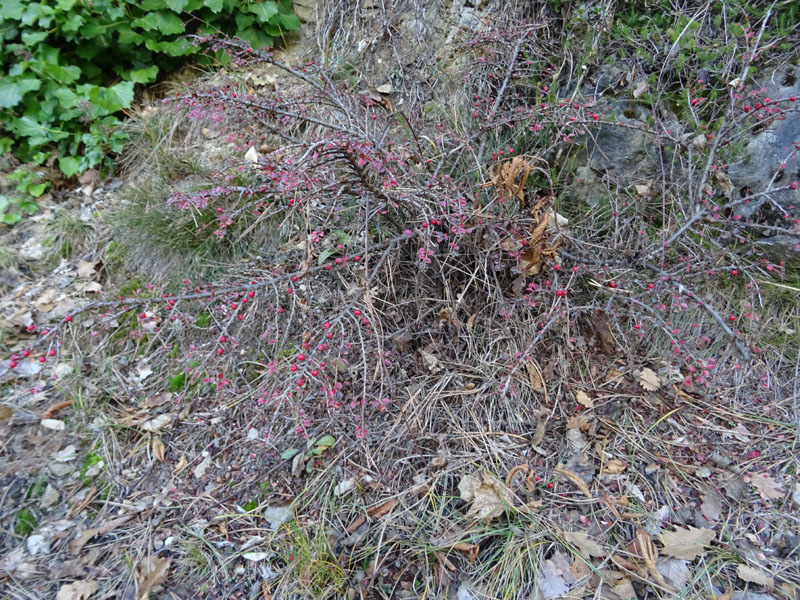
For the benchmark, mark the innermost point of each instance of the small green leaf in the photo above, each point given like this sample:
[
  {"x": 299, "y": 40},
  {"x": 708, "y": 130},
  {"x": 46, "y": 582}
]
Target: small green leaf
[
  {"x": 11, "y": 92},
  {"x": 214, "y": 6},
  {"x": 38, "y": 189},
  {"x": 69, "y": 165},
  {"x": 264, "y": 10},
  {"x": 255, "y": 37},
  {"x": 31, "y": 38},
  {"x": 325, "y": 255},
  {"x": 177, "y": 5},
  {"x": 65, "y": 5},
  {"x": 143, "y": 75},
  {"x": 290, "y": 22},
  {"x": 11, "y": 10},
  {"x": 326, "y": 441},
  {"x": 118, "y": 96},
  {"x": 290, "y": 453}
]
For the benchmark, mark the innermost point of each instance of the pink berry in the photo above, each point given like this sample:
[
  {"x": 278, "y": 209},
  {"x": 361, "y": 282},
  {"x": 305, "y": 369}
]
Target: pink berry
[
  {"x": 26, "y": 353},
  {"x": 357, "y": 313},
  {"x": 42, "y": 359},
  {"x": 220, "y": 351},
  {"x": 301, "y": 357},
  {"x": 12, "y": 364},
  {"x": 68, "y": 318},
  {"x": 251, "y": 293},
  {"x": 222, "y": 339},
  {"x": 52, "y": 353}
]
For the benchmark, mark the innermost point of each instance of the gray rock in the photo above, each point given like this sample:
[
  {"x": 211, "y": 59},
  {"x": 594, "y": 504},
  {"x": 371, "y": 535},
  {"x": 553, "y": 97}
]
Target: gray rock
[{"x": 766, "y": 151}]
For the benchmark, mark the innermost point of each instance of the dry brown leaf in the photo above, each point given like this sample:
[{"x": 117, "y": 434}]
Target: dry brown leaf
[
  {"x": 687, "y": 542},
  {"x": 158, "y": 449},
  {"x": 489, "y": 496},
  {"x": 649, "y": 380},
  {"x": 5, "y": 413},
  {"x": 433, "y": 364},
  {"x": 587, "y": 546},
  {"x": 76, "y": 545},
  {"x": 77, "y": 590},
  {"x": 157, "y": 423},
  {"x": 584, "y": 399},
  {"x": 535, "y": 375},
  {"x": 555, "y": 576},
  {"x": 767, "y": 486},
  {"x": 613, "y": 467},
  {"x": 376, "y": 512},
  {"x": 640, "y": 89},
  {"x": 755, "y": 575},
  {"x": 152, "y": 571},
  {"x": 181, "y": 464}
]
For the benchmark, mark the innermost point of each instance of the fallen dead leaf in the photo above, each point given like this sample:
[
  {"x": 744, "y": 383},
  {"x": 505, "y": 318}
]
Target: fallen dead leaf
[
  {"x": 158, "y": 449},
  {"x": 77, "y": 590},
  {"x": 767, "y": 486},
  {"x": 152, "y": 571},
  {"x": 584, "y": 399},
  {"x": 755, "y": 575},
  {"x": 489, "y": 496},
  {"x": 640, "y": 89},
  {"x": 675, "y": 572},
  {"x": 587, "y": 546},
  {"x": 649, "y": 379},
  {"x": 157, "y": 423},
  {"x": 613, "y": 467},
  {"x": 433, "y": 364},
  {"x": 686, "y": 542},
  {"x": 181, "y": 464},
  {"x": 377, "y": 512},
  {"x": 5, "y": 413},
  {"x": 555, "y": 577}
]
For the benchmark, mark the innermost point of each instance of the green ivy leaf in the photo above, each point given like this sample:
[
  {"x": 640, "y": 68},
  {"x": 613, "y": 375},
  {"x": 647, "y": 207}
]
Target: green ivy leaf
[
  {"x": 153, "y": 5},
  {"x": 65, "y": 5},
  {"x": 177, "y": 5},
  {"x": 61, "y": 74},
  {"x": 290, "y": 22},
  {"x": 35, "y": 131},
  {"x": 256, "y": 38},
  {"x": 118, "y": 96},
  {"x": 326, "y": 441},
  {"x": 66, "y": 97},
  {"x": 214, "y": 6},
  {"x": 166, "y": 22},
  {"x": 143, "y": 75},
  {"x": 37, "y": 189},
  {"x": 69, "y": 165},
  {"x": 264, "y": 10},
  {"x": 11, "y": 10},
  {"x": 11, "y": 92},
  {"x": 31, "y": 38}
]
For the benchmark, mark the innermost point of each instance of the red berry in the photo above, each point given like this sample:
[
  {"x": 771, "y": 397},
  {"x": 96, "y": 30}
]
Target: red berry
[
  {"x": 142, "y": 315},
  {"x": 220, "y": 351},
  {"x": 233, "y": 305},
  {"x": 293, "y": 368},
  {"x": 68, "y": 318},
  {"x": 301, "y": 357},
  {"x": 613, "y": 284},
  {"x": 650, "y": 286},
  {"x": 52, "y": 353},
  {"x": 301, "y": 382},
  {"x": 792, "y": 98},
  {"x": 734, "y": 272},
  {"x": 314, "y": 372},
  {"x": 31, "y": 327},
  {"x": 26, "y": 353},
  {"x": 222, "y": 339},
  {"x": 289, "y": 291},
  {"x": 12, "y": 364},
  {"x": 357, "y": 313},
  {"x": 327, "y": 325},
  {"x": 42, "y": 359},
  {"x": 251, "y": 293},
  {"x": 550, "y": 485},
  {"x": 280, "y": 309},
  {"x": 731, "y": 318},
  {"x": 637, "y": 326},
  {"x": 321, "y": 347}
]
